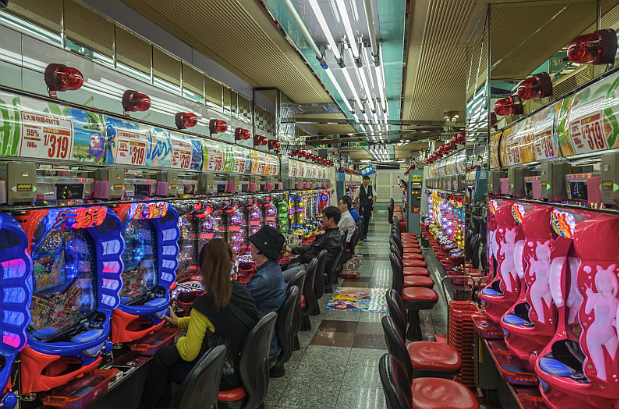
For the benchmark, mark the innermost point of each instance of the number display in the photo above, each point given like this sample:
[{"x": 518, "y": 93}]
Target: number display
[{"x": 45, "y": 136}]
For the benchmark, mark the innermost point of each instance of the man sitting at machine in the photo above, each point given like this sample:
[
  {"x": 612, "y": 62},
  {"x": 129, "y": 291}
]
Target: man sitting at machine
[
  {"x": 329, "y": 241},
  {"x": 267, "y": 286},
  {"x": 347, "y": 223}
]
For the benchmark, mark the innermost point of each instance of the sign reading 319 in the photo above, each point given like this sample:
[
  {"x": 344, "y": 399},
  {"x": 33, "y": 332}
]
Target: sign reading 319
[{"x": 45, "y": 136}]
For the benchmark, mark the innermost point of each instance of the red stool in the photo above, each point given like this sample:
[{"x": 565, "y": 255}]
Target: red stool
[
  {"x": 415, "y": 271},
  {"x": 413, "y": 256},
  {"x": 414, "y": 263},
  {"x": 418, "y": 281}
]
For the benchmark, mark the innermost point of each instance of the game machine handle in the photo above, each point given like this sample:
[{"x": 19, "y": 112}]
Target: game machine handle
[
  {"x": 140, "y": 321},
  {"x": 58, "y": 357},
  {"x": 16, "y": 285}
]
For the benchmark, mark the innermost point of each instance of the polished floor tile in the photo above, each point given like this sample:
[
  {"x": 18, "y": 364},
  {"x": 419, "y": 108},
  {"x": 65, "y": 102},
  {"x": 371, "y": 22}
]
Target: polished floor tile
[
  {"x": 361, "y": 398},
  {"x": 369, "y": 328},
  {"x": 338, "y": 326},
  {"x": 369, "y": 341}
]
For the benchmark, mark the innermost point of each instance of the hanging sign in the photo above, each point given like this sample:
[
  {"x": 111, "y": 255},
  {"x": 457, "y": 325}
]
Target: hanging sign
[{"x": 368, "y": 170}]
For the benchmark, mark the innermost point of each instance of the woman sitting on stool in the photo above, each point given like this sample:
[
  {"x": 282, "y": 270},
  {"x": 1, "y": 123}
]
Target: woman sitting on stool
[{"x": 224, "y": 315}]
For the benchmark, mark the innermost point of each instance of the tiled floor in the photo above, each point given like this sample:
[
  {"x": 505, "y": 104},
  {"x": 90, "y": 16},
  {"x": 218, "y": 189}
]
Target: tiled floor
[{"x": 337, "y": 365}]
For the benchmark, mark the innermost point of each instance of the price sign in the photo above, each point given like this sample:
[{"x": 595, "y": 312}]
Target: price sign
[
  {"x": 181, "y": 153},
  {"x": 239, "y": 160},
  {"x": 45, "y": 136},
  {"x": 587, "y": 128},
  {"x": 262, "y": 164},
  {"x": 544, "y": 145},
  {"x": 130, "y": 146},
  {"x": 215, "y": 157}
]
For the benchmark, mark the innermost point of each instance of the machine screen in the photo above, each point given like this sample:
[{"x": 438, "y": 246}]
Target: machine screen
[
  {"x": 188, "y": 245},
  {"x": 140, "y": 261},
  {"x": 64, "y": 283}
]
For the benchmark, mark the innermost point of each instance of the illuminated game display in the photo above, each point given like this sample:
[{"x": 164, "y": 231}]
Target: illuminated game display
[
  {"x": 150, "y": 261},
  {"x": 76, "y": 254},
  {"x": 282, "y": 214},
  {"x": 237, "y": 237},
  {"x": 15, "y": 284},
  {"x": 190, "y": 216}
]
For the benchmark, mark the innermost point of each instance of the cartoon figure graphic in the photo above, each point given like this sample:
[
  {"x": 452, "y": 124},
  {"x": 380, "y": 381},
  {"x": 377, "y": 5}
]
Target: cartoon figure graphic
[
  {"x": 604, "y": 305},
  {"x": 96, "y": 147},
  {"x": 540, "y": 289},
  {"x": 508, "y": 266},
  {"x": 111, "y": 143}
]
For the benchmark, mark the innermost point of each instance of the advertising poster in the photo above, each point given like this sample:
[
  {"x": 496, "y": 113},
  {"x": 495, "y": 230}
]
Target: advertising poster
[
  {"x": 545, "y": 143},
  {"x": 562, "y": 124},
  {"x": 228, "y": 158},
  {"x": 494, "y": 150},
  {"x": 262, "y": 163},
  {"x": 197, "y": 153},
  {"x": 214, "y": 157},
  {"x": 182, "y": 151},
  {"x": 158, "y": 148},
  {"x": 526, "y": 141},
  {"x": 126, "y": 142},
  {"x": 240, "y": 154}
]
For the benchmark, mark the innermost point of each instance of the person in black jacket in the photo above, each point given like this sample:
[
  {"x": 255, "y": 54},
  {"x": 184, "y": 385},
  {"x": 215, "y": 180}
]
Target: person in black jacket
[
  {"x": 223, "y": 316},
  {"x": 367, "y": 200},
  {"x": 329, "y": 241}
]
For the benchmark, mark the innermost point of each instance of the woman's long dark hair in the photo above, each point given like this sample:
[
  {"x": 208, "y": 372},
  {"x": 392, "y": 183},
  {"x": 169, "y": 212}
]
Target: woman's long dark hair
[{"x": 216, "y": 264}]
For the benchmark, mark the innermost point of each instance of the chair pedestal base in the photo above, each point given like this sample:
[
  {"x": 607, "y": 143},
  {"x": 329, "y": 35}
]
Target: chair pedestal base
[
  {"x": 414, "y": 326},
  {"x": 305, "y": 324},
  {"x": 277, "y": 371}
]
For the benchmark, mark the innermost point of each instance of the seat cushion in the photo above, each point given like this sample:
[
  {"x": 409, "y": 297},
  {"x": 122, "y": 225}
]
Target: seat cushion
[
  {"x": 410, "y": 246},
  {"x": 413, "y": 256},
  {"x": 407, "y": 235},
  {"x": 418, "y": 281},
  {"x": 416, "y": 271},
  {"x": 434, "y": 356},
  {"x": 419, "y": 294},
  {"x": 414, "y": 263},
  {"x": 232, "y": 395},
  {"x": 439, "y": 393},
  {"x": 412, "y": 251},
  {"x": 473, "y": 272}
]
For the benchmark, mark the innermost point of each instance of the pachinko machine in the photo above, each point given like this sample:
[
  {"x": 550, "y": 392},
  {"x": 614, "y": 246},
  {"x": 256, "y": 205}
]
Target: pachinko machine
[
  {"x": 150, "y": 233},
  {"x": 76, "y": 284}
]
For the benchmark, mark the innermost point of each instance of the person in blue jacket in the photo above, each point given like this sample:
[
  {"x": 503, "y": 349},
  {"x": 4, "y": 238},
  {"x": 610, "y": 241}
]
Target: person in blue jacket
[
  {"x": 355, "y": 214},
  {"x": 267, "y": 286}
]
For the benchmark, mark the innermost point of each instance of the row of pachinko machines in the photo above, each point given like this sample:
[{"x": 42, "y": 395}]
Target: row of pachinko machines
[
  {"x": 548, "y": 308},
  {"x": 85, "y": 289}
]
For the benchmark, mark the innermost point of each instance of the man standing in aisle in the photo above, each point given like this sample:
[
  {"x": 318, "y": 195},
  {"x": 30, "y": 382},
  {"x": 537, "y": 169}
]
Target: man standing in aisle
[{"x": 367, "y": 200}]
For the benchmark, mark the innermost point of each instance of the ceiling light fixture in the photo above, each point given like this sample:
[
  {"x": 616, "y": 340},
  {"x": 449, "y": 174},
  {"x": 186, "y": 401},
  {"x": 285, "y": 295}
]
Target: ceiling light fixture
[
  {"x": 325, "y": 29},
  {"x": 379, "y": 79},
  {"x": 352, "y": 88},
  {"x": 308, "y": 37},
  {"x": 351, "y": 37},
  {"x": 364, "y": 81},
  {"x": 339, "y": 89}
]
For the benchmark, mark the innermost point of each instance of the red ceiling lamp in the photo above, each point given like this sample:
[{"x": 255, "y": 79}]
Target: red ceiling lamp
[
  {"x": 508, "y": 106},
  {"x": 241, "y": 134},
  {"x": 461, "y": 137},
  {"x": 537, "y": 86},
  {"x": 274, "y": 144},
  {"x": 302, "y": 154},
  {"x": 598, "y": 47},
  {"x": 59, "y": 77},
  {"x": 217, "y": 126},
  {"x": 135, "y": 101},
  {"x": 185, "y": 120},
  {"x": 260, "y": 140}
]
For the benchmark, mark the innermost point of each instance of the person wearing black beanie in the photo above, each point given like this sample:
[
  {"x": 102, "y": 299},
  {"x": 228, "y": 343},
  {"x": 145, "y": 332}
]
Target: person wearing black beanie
[{"x": 267, "y": 286}]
